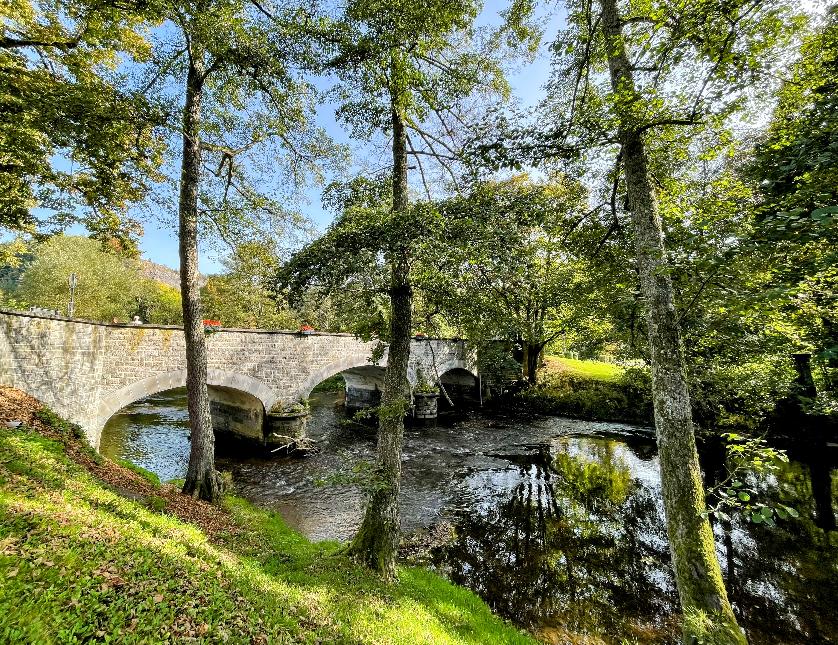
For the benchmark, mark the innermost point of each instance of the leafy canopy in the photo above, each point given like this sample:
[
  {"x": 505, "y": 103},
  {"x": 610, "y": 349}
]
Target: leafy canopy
[{"x": 75, "y": 142}]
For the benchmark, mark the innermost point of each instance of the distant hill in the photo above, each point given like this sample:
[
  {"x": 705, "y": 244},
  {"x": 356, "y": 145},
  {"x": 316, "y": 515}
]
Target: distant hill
[{"x": 166, "y": 275}]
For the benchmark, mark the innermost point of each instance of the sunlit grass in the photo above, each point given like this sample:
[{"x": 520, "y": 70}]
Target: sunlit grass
[
  {"x": 596, "y": 370},
  {"x": 79, "y": 562}
]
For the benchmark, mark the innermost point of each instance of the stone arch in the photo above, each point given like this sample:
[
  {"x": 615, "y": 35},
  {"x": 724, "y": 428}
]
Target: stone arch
[
  {"x": 112, "y": 402},
  {"x": 460, "y": 382},
  {"x": 456, "y": 364},
  {"x": 336, "y": 367}
]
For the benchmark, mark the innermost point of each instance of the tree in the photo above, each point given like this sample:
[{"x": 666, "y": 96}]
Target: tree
[
  {"x": 403, "y": 64},
  {"x": 243, "y": 295},
  {"x": 505, "y": 266},
  {"x": 243, "y": 103},
  {"x": 626, "y": 71},
  {"x": 109, "y": 286},
  {"x": 795, "y": 168},
  {"x": 75, "y": 142}
]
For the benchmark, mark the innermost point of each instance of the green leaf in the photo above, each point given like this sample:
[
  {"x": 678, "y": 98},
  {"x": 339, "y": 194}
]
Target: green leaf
[{"x": 744, "y": 496}]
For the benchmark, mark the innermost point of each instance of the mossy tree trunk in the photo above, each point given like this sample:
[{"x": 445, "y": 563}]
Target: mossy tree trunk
[
  {"x": 377, "y": 540},
  {"x": 202, "y": 481},
  {"x": 708, "y": 617}
]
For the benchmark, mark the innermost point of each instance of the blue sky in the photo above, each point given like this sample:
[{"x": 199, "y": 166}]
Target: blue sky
[{"x": 159, "y": 243}]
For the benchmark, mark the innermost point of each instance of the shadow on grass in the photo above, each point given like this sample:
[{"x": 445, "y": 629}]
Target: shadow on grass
[{"x": 80, "y": 562}]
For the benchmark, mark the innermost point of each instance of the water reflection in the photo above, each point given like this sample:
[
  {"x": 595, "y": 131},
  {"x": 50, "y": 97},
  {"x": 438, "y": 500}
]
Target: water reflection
[
  {"x": 577, "y": 548},
  {"x": 558, "y": 522},
  {"x": 152, "y": 433}
]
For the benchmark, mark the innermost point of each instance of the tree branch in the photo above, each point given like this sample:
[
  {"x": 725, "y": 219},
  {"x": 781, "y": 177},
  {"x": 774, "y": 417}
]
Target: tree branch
[{"x": 13, "y": 43}]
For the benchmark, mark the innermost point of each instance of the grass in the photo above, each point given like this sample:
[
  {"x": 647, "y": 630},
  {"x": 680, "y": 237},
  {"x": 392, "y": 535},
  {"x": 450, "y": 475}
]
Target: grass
[
  {"x": 590, "y": 390},
  {"x": 596, "y": 370},
  {"x": 81, "y": 561},
  {"x": 332, "y": 384}
]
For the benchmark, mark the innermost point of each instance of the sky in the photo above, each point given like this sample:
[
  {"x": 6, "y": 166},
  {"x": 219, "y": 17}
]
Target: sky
[{"x": 159, "y": 242}]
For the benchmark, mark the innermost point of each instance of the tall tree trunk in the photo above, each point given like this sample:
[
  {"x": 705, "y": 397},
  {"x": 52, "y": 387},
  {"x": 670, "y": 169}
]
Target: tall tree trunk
[
  {"x": 378, "y": 538},
  {"x": 201, "y": 478},
  {"x": 708, "y": 617},
  {"x": 532, "y": 359}
]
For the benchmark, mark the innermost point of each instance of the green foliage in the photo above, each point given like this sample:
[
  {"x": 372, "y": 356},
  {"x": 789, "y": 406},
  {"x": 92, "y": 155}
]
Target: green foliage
[
  {"x": 80, "y": 563},
  {"x": 76, "y": 142},
  {"x": 584, "y": 394},
  {"x": 332, "y": 384},
  {"x": 795, "y": 169},
  {"x": 109, "y": 286},
  {"x": 749, "y": 461},
  {"x": 243, "y": 295},
  {"x": 797, "y": 162},
  {"x": 739, "y": 396},
  {"x": 421, "y": 60},
  {"x": 503, "y": 264},
  {"x": 350, "y": 262},
  {"x": 423, "y": 385},
  {"x": 495, "y": 362},
  {"x": 159, "y": 304}
]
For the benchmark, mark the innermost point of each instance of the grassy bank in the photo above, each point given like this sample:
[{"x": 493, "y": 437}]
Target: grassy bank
[
  {"x": 93, "y": 551},
  {"x": 589, "y": 390}
]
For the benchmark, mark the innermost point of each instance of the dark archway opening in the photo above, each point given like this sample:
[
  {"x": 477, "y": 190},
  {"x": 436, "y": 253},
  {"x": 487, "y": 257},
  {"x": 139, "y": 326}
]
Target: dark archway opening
[{"x": 461, "y": 387}]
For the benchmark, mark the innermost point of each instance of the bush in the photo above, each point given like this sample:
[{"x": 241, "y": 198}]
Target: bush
[
  {"x": 627, "y": 399},
  {"x": 738, "y": 397}
]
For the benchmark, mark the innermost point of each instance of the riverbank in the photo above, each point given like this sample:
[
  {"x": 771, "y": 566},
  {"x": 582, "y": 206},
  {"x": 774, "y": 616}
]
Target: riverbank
[
  {"x": 91, "y": 550},
  {"x": 590, "y": 390}
]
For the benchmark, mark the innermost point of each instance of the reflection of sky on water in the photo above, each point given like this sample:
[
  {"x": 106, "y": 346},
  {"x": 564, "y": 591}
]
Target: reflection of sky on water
[
  {"x": 152, "y": 433},
  {"x": 559, "y": 521}
]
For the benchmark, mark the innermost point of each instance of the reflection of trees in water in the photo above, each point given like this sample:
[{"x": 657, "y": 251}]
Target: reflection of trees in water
[
  {"x": 578, "y": 545},
  {"x": 783, "y": 581}
]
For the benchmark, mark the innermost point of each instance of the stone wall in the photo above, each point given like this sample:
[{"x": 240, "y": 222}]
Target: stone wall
[
  {"x": 57, "y": 362},
  {"x": 88, "y": 371}
]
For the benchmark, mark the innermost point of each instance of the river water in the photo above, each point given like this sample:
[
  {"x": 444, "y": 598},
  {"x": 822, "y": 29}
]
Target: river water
[{"x": 558, "y": 523}]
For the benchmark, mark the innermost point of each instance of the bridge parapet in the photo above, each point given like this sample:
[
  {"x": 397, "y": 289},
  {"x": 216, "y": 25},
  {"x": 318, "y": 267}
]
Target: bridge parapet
[{"x": 87, "y": 371}]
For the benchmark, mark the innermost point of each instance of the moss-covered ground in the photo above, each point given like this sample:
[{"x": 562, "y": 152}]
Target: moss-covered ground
[{"x": 91, "y": 551}]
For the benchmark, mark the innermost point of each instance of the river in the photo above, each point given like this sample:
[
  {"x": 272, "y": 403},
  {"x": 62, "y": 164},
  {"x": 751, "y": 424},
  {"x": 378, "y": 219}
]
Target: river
[{"x": 558, "y": 522}]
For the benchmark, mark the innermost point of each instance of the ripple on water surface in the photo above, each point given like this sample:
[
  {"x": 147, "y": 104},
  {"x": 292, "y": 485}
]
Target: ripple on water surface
[{"x": 559, "y": 524}]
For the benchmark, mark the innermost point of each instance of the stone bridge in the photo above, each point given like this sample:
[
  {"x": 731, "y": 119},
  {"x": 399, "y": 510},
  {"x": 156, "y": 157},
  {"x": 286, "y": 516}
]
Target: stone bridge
[{"x": 87, "y": 371}]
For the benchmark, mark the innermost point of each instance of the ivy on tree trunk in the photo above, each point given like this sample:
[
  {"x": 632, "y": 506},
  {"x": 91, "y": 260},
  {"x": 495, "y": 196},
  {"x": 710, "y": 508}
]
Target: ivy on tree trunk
[{"x": 377, "y": 540}]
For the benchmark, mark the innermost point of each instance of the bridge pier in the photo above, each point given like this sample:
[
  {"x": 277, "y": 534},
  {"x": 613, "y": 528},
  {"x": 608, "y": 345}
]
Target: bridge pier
[
  {"x": 87, "y": 371},
  {"x": 282, "y": 429},
  {"x": 363, "y": 387},
  {"x": 236, "y": 414},
  {"x": 360, "y": 398}
]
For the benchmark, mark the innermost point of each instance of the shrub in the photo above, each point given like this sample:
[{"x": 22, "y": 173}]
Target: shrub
[{"x": 626, "y": 399}]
